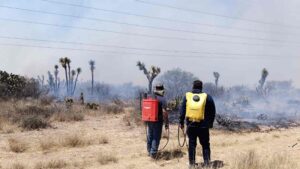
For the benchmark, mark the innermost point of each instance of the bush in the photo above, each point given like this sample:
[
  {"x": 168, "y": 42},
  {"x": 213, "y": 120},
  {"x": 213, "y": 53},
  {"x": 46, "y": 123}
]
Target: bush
[
  {"x": 112, "y": 108},
  {"x": 18, "y": 86},
  {"x": 35, "y": 122},
  {"x": 67, "y": 116},
  {"x": 17, "y": 146},
  {"x": 105, "y": 159}
]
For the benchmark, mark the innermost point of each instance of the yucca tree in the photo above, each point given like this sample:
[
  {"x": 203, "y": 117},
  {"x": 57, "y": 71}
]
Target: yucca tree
[
  {"x": 64, "y": 65},
  {"x": 68, "y": 62},
  {"x": 151, "y": 75},
  {"x": 56, "y": 77},
  {"x": 78, "y": 72},
  {"x": 217, "y": 76},
  {"x": 264, "y": 75},
  {"x": 73, "y": 74},
  {"x": 92, "y": 67}
]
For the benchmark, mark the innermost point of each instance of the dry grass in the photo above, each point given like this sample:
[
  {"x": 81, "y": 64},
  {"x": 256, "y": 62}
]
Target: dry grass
[
  {"x": 53, "y": 164},
  {"x": 74, "y": 140},
  {"x": 103, "y": 140},
  {"x": 17, "y": 166},
  {"x": 35, "y": 122},
  {"x": 67, "y": 116},
  {"x": 47, "y": 144},
  {"x": 106, "y": 158},
  {"x": 17, "y": 146},
  {"x": 170, "y": 154},
  {"x": 251, "y": 160}
]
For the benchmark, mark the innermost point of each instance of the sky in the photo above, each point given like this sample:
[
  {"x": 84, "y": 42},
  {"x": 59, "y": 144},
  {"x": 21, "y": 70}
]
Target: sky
[{"x": 236, "y": 38}]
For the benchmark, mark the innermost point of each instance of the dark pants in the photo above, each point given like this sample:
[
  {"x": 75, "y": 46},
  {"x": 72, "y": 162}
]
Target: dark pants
[
  {"x": 154, "y": 135},
  {"x": 203, "y": 135}
]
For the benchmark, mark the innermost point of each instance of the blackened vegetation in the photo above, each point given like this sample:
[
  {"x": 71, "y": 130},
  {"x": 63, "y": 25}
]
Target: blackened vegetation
[{"x": 15, "y": 86}]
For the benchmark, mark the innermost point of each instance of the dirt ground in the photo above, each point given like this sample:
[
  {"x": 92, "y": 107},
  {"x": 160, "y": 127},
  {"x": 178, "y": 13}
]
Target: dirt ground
[{"x": 108, "y": 142}]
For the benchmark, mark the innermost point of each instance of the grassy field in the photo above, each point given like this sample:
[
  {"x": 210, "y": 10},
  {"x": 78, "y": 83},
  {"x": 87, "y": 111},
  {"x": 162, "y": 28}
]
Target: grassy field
[{"x": 94, "y": 139}]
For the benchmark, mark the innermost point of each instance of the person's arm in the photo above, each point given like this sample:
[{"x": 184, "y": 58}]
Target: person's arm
[
  {"x": 210, "y": 111},
  {"x": 182, "y": 112}
]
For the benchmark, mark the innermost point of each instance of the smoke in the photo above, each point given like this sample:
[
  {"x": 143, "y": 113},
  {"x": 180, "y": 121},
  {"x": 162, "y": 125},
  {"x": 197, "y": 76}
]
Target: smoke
[{"x": 279, "y": 103}]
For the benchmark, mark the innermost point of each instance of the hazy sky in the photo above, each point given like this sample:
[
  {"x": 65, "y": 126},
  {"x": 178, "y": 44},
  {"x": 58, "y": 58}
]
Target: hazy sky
[{"x": 264, "y": 34}]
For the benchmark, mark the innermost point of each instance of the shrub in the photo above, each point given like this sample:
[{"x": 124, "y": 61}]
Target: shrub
[
  {"x": 12, "y": 85},
  {"x": 103, "y": 140},
  {"x": 17, "y": 146},
  {"x": 74, "y": 140},
  {"x": 105, "y": 159},
  {"x": 66, "y": 116},
  {"x": 53, "y": 164},
  {"x": 35, "y": 122},
  {"x": 112, "y": 108}
]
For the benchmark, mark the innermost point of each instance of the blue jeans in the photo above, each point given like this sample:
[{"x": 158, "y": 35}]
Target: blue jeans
[{"x": 154, "y": 135}]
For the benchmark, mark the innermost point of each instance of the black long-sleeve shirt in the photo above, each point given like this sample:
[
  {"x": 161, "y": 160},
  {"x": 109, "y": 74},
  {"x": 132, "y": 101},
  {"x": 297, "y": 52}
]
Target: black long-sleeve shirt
[{"x": 209, "y": 114}]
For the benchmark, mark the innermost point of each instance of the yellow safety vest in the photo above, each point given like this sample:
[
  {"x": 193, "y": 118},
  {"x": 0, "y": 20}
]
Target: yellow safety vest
[{"x": 195, "y": 106}]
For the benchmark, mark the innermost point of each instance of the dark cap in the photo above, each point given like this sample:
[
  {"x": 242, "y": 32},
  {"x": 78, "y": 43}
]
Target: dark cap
[
  {"x": 197, "y": 84},
  {"x": 159, "y": 87}
]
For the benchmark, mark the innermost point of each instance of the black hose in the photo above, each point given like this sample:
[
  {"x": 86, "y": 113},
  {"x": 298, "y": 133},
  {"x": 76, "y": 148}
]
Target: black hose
[
  {"x": 184, "y": 140},
  {"x": 168, "y": 138}
]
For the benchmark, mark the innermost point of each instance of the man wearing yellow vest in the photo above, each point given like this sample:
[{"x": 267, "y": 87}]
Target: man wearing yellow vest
[{"x": 198, "y": 109}]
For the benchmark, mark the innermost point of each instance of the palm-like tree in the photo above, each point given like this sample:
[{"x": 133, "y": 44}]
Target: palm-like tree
[
  {"x": 92, "y": 67},
  {"x": 78, "y": 72},
  {"x": 151, "y": 75},
  {"x": 56, "y": 77},
  {"x": 64, "y": 65},
  {"x": 264, "y": 75},
  {"x": 68, "y": 62},
  {"x": 73, "y": 74},
  {"x": 217, "y": 76}
]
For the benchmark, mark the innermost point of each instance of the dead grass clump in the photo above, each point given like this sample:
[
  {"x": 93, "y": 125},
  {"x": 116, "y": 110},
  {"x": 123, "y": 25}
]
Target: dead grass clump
[
  {"x": 248, "y": 161},
  {"x": 67, "y": 116},
  {"x": 53, "y": 164},
  {"x": 17, "y": 166},
  {"x": 74, "y": 140},
  {"x": 46, "y": 100},
  {"x": 17, "y": 146},
  {"x": 170, "y": 154},
  {"x": 251, "y": 160},
  {"x": 34, "y": 122},
  {"x": 112, "y": 108},
  {"x": 103, "y": 140},
  {"x": 47, "y": 144},
  {"x": 105, "y": 159}
]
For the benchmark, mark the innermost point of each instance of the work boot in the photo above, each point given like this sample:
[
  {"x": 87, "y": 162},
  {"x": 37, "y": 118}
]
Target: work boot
[
  {"x": 206, "y": 157},
  {"x": 192, "y": 157}
]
